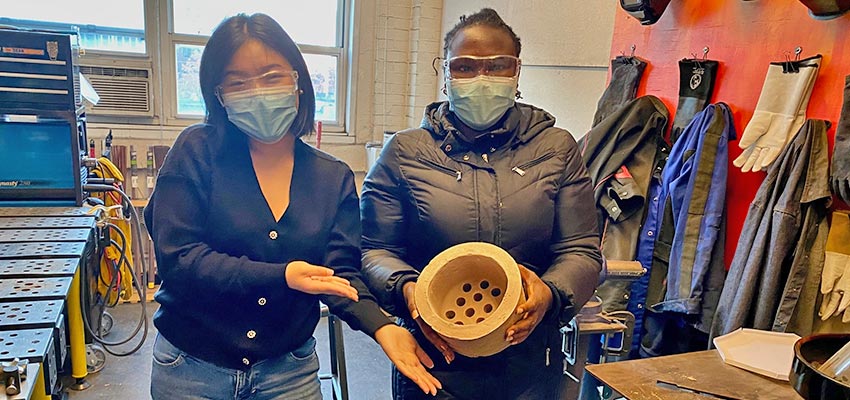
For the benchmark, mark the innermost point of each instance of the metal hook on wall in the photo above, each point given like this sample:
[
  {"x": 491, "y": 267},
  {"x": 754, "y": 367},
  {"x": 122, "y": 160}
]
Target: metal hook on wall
[
  {"x": 696, "y": 60},
  {"x": 632, "y": 58},
  {"x": 797, "y": 51},
  {"x": 705, "y": 51}
]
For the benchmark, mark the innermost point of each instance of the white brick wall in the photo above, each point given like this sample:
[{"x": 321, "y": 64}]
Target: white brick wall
[
  {"x": 425, "y": 39},
  {"x": 406, "y": 39}
]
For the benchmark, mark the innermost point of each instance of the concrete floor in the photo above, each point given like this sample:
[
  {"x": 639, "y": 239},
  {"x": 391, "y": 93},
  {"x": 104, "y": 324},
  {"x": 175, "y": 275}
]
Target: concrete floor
[{"x": 128, "y": 378}]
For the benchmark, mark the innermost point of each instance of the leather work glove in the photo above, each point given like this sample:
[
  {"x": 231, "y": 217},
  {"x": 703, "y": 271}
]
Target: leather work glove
[
  {"x": 696, "y": 84},
  {"x": 626, "y": 73},
  {"x": 840, "y": 175},
  {"x": 835, "y": 279},
  {"x": 779, "y": 114}
]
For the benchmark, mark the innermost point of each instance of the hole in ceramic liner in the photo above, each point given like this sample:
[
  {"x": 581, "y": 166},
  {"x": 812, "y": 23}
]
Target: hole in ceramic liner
[
  {"x": 450, "y": 314},
  {"x": 496, "y": 292},
  {"x": 479, "y": 320},
  {"x": 461, "y": 287},
  {"x": 488, "y": 308}
]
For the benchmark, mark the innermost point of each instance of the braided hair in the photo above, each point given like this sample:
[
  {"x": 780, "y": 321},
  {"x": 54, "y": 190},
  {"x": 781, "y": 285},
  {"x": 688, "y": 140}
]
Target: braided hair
[{"x": 487, "y": 17}]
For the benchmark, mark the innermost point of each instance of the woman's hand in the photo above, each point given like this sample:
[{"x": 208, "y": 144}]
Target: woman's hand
[
  {"x": 314, "y": 279},
  {"x": 408, "y": 357},
  {"x": 539, "y": 301},
  {"x": 409, "y": 289}
]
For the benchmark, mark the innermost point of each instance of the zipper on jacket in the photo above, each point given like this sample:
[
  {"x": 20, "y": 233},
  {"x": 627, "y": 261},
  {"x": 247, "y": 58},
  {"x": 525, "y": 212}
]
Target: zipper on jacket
[
  {"x": 441, "y": 168},
  {"x": 520, "y": 169}
]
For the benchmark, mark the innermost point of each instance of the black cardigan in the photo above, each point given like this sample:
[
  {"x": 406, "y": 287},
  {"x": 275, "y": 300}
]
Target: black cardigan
[{"x": 222, "y": 256}]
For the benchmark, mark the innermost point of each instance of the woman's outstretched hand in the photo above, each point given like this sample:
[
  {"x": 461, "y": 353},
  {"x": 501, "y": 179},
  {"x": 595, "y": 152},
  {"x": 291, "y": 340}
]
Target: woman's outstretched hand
[
  {"x": 408, "y": 357},
  {"x": 314, "y": 279}
]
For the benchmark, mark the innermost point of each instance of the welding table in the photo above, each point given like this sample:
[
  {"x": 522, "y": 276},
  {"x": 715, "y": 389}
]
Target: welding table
[
  {"x": 43, "y": 247},
  {"x": 41, "y": 254},
  {"x": 703, "y": 371}
]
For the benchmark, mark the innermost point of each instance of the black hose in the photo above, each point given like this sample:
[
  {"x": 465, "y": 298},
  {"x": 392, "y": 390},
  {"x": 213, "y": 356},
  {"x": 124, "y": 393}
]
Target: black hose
[
  {"x": 142, "y": 321},
  {"x": 140, "y": 288},
  {"x": 134, "y": 213}
]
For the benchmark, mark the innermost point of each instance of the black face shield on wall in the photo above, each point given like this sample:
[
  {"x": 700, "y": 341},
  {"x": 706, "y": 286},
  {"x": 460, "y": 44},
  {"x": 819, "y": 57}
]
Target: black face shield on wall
[
  {"x": 827, "y": 9},
  {"x": 646, "y": 11}
]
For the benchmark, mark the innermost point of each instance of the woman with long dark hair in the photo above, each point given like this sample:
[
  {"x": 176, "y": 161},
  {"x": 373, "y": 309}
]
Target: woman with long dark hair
[{"x": 251, "y": 228}]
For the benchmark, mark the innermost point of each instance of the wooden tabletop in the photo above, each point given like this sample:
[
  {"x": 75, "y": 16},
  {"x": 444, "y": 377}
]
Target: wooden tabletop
[{"x": 703, "y": 371}]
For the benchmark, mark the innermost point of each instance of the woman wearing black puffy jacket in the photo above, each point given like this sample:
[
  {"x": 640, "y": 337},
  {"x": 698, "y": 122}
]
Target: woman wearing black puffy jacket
[{"x": 484, "y": 168}]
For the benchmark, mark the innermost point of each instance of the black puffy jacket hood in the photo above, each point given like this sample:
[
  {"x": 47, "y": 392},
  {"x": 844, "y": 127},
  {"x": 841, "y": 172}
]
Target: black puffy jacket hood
[{"x": 527, "y": 120}]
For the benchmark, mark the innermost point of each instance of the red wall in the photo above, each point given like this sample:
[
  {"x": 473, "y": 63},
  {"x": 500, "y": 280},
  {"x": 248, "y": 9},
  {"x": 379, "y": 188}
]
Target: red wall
[{"x": 744, "y": 36}]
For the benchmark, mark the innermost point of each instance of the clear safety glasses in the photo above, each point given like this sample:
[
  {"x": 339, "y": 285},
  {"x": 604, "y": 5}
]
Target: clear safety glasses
[
  {"x": 269, "y": 80},
  {"x": 465, "y": 67}
]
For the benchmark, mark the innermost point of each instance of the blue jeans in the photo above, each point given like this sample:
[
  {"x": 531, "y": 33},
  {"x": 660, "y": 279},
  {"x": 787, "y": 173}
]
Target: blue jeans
[{"x": 179, "y": 376}]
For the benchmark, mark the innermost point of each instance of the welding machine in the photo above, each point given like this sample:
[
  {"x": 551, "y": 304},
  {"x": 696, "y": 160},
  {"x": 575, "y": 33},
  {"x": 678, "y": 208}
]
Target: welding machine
[{"x": 42, "y": 120}]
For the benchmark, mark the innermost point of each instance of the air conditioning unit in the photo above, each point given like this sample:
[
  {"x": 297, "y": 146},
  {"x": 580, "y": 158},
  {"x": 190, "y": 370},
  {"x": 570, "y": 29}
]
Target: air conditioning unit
[{"x": 123, "y": 92}]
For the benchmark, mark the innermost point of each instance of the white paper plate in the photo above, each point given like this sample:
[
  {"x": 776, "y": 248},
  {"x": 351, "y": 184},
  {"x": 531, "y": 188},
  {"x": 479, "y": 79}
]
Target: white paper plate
[{"x": 763, "y": 352}]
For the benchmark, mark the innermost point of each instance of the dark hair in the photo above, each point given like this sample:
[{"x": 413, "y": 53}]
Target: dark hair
[
  {"x": 231, "y": 34},
  {"x": 487, "y": 17}
]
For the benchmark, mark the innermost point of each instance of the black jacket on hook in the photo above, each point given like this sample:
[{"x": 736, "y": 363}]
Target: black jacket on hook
[{"x": 620, "y": 154}]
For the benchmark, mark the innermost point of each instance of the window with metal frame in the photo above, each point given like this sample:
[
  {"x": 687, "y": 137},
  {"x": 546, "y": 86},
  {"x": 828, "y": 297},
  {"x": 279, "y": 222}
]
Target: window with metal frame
[
  {"x": 118, "y": 26},
  {"x": 318, "y": 26}
]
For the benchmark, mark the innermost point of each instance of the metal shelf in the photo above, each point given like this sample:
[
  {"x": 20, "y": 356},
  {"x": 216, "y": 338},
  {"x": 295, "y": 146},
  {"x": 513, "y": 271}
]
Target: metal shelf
[
  {"x": 34, "y": 289},
  {"x": 35, "y": 345},
  {"x": 42, "y": 268},
  {"x": 12, "y": 251},
  {"x": 31, "y": 344},
  {"x": 45, "y": 222},
  {"x": 45, "y": 235},
  {"x": 30, "y": 314},
  {"x": 44, "y": 212}
]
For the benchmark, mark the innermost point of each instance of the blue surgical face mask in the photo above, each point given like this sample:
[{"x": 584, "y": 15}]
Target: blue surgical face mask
[
  {"x": 265, "y": 114},
  {"x": 481, "y": 101}
]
